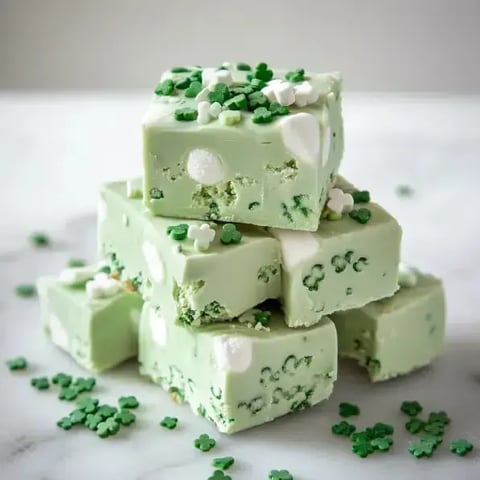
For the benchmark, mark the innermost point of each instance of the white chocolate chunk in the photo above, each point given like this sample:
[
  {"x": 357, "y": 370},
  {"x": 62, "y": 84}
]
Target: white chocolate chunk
[
  {"x": 205, "y": 167},
  {"x": 57, "y": 331},
  {"x": 202, "y": 236},
  {"x": 232, "y": 354},
  {"x": 102, "y": 286},
  {"x": 158, "y": 327},
  {"x": 296, "y": 246}
]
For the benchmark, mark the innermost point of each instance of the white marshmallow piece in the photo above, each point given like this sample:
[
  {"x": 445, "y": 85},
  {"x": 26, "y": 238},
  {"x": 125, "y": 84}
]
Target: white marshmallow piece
[
  {"x": 77, "y": 275},
  {"x": 208, "y": 75},
  {"x": 205, "y": 167},
  {"x": 158, "y": 327},
  {"x": 102, "y": 286},
  {"x": 296, "y": 246},
  {"x": 203, "y": 109},
  {"x": 305, "y": 94},
  {"x": 407, "y": 276},
  {"x": 58, "y": 333},
  {"x": 202, "y": 96},
  {"x": 232, "y": 354},
  {"x": 215, "y": 109},
  {"x": 202, "y": 236},
  {"x": 284, "y": 93},
  {"x": 153, "y": 261},
  {"x": 212, "y": 76},
  {"x": 269, "y": 92}
]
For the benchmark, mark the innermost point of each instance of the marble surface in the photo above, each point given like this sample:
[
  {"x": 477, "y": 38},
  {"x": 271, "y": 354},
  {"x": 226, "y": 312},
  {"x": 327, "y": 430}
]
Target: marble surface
[{"x": 55, "y": 149}]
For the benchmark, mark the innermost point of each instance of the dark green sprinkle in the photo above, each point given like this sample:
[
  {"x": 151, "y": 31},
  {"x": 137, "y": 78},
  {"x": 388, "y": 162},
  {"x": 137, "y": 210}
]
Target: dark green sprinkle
[
  {"x": 295, "y": 76},
  {"x": 421, "y": 448},
  {"x": 194, "y": 89},
  {"x": 361, "y": 196},
  {"x": 178, "y": 232},
  {"x": 382, "y": 429},
  {"x": 186, "y": 114},
  {"x": 156, "y": 193},
  {"x": 68, "y": 393},
  {"x": 436, "y": 440},
  {"x": 25, "y": 290},
  {"x": 381, "y": 444},
  {"x": 219, "y": 475},
  {"x": 125, "y": 417},
  {"x": 348, "y": 409},
  {"x": 17, "y": 363},
  {"x": 183, "y": 83},
  {"x": 105, "y": 269},
  {"x": 411, "y": 408},
  {"x": 239, "y": 102},
  {"x": 180, "y": 70},
  {"x": 262, "y": 72},
  {"x": 439, "y": 417},
  {"x": 461, "y": 447},
  {"x": 40, "y": 383},
  {"x": 262, "y": 115},
  {"x": 219, "y": 94},
  {"x": 244, "y": 67},
  {"x": 253, "y": 205},
  {"x": 167, "y": 87},
  {"x": 169, "y": 422},
  {"x": 343, "y": 428},
  {"x": 414, "y": 425},
  {"x": 128, "y": 402},
  {"x": 223, "y": 463},
  {"x": 278, "y": 109},
  {"x": 39, "y": 239},
  {"x": 196, "y": 76},
  {"x": 76, "y": 263},
  {"x": 230, "y": 234},
  {"x": 362, "y": 437},
  {"x": 245, "y": 89},
  {"x": 362, "y": 448},
  {"x": 434, "y": 428},
  {"x": 263, "y": 317},
  {"x": 361, "y": 215},
  {"x": 106, "y": 411},
  {"x": 204, "y": 442},
  {"x": 62, "y": 379},
  {"x": 84, "y": 384}
]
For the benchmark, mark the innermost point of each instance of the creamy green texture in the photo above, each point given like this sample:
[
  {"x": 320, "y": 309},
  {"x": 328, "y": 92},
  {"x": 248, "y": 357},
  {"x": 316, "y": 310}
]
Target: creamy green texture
[
  {"x": 99, "y": 334},
  {"x": 343, "y": 265},
  {"x": 215, "y": 285},
  {"x": 237, "y": 376},
  {"x": 273, "y": 174},
  {"x": 396, "y": 335}
]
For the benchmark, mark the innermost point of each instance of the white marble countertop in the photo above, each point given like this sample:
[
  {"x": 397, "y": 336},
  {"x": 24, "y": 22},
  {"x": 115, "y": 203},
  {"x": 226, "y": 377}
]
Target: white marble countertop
[{"x": 55, "y": 149}]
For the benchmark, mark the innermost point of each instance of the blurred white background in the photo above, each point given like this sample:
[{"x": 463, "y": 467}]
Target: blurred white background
[{"x": 380, "y": 45}]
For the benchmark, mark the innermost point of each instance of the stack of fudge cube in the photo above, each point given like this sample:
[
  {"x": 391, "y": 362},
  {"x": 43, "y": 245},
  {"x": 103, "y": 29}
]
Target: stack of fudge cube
[{"x": 242, "y": 264}]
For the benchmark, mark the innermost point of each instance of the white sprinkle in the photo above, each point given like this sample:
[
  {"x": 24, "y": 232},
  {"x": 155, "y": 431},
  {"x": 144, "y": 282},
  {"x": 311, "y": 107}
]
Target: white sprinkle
[
  {"x": 339, "y": 201},
  {"x": 202, "y": 236}
]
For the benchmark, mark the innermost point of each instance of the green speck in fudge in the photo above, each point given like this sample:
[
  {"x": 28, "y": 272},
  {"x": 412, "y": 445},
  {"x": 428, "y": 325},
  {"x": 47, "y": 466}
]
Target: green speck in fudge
[
  {"x": 262, "y": 72},
  {"x": 278, "y": 109},
  {"x": 204, "y": 443},
  {"x": 411, "y": 408},
  {"x": 169, "y": 422},
  {"x": 343, "y": 428},
  {"x": 178, "y": 232},
  {"x": 219, "y": 475},
  {"x": 461, "y": 447},
  {"x": 223, "y": 463},
  {"x": 257, "y": 100},
  {"x": 40, "y": 383},
  {"x": 349, "y": 291},
  {"x": 107, "y": 428},
  {"x": 25, "y": 290},
  {"x": 183, "y": 84},
  {"x": 280, "y": 475},
  {"x": 253, "y": 205},
  {"x": 360, "y": 264},
  {"x": 243, "y": 67},
  {"x": 185, "y": 114},
  {"x": 62, "y": 379},
  {"x": 230, "y": 234},
  {"x": 180, "y": 70},
  {"x": 361, "y": 196},
  {"x": 76, "y": 263},
  {"x": 194, "y": 89},
  {"x": 125, "y": 417},
  {"x": 17, "y": 363},
  {"x": 262, "y": 115},
  {"x": 313, "y": 279},
  {"x": 156, "y": 193},
  {"x": 361, "y": 215},
  {"x": 39, "y": 239},
  {"x": 128, "y": 402},
  {"x": 346, "y": 409},
  {"x": 295, "y": 76},
  {"x": 404, "y": 191},
  {"x": 238, "y": 102},
  {"x": 263, "y": 317},
  {"x": 167, "y": 87},
  {"x": 220, "y": 94}
]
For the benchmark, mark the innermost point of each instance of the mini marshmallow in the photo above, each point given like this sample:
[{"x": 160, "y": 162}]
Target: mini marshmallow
[
  {"x": 284, "y": 93},
  {"x": 202, "y": 236},
  {"x": 102, "y": 286},
  {"x": 215, "y": 109},
  {"x": 269, "y": 92},
  {"x": 76, "y": 276},
  {"x": 305, "y": 94},
  {"x": 203, "y": 109},
  {"x": 202, "y": 95}
]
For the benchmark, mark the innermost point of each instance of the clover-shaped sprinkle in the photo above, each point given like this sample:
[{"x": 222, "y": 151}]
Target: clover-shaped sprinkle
[
  {"x": 219, "y": 475},
  {"x": 435, "y": 440},
  {"x": 278, "y": 110},
  {"x": 202, "y": 236},
  {"x": 262, "y": 72},
  {"x": 87, "y": 404},
  {"x": 178, "y": 232},
  {"x": 421, "y": 448},
  {"x": 230, "y": 234},
  {"x": 169, "y": 422},
  {"x": 461, "y": 447},
  {"x": 262, "y": 115},
  {"x": 106, "y": 411},
  {"x": 244, "y": 67},
  {"x": 17, "y": 363},
  {"x": 204, "y": 443},
  {"x": 186, "y": 114},
  {"x": 280, "y": 475},
  {"x": 125, "y": 417},
  {"x": 361, "y": 196},
  {"x": 339, "y": 201},
  {"x": 348, "y": 409},
  {"x": 183, "y": 83},
  {"x": 93, "y": 420},
  {"x": 62, "y": 379},
  {"x": 40, "y": 383},
  {"x": 361, "y": 215},
  {"x": 77, "y": 417},
  {"x": 107, "y": 428},
  {"x": 439, "y": 417},
  {"x": 238, "y": 102},
  {"x": 382, "y": 444},
  {"x": 411, "y": 408},
  {"x": 65, "y": 423},
  {"x": 84, "y": 384},
  {"x": 194, "y": 88},
  {"x": 167, "y": 87},
  {"x": 257, "y": 84},
  {"x": 295, "y": 76},
  {"x": 382, "y": 429},
  {"x": 68, "y": 393},
  {"x": 263, "y": 317},
  {"x": 415, "y": 425},
  {"x": 363, "y": 436},
  {"x": 128, "y": 402},
  {"x": 223, "y": 463},
  {"x": 220, "y": 93},
  {"x": 76, "y": 263},
  {"x": 257, "y": 100},
  {"x": 434, "y": 428},
  {"x": 362, "y": 448},
  {"x": 25, "y": 290},
  {"x": 343, "y": 428}
]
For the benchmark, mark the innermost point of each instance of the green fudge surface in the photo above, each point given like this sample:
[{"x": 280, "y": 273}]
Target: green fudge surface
[
  {"x": 235, "y": 375},
  {"x": 271, "y": 174},
  {"x": 98, "y": 334},
  {"x": 215, "y": 285},
  {"x": 343, "y": 265},
  {"x": 396, "y": 335}
]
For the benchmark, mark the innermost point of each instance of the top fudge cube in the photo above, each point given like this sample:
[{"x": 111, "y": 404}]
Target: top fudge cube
[{"x": 250, "y": 147}]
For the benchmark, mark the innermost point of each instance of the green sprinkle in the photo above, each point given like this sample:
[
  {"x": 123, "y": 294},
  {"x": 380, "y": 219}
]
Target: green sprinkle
[
  {"x": 17, "y": 363},
  {"x": 25, "y": 290},
  {"x": 238, "y": 102},
  {"x": 40, "y": 383},
  {"x": 87, "y": 404},
  {"x": 204, "y": 443},
  {"x": 107, "y": 428},
  {"x": 262, "y": 115},
  {"x": 106, "y": 411},
  {"x": 257, "y": 84},
  {"x": 381, "y": 444},
  {"x": 230, "y": 117},
  {"x": 382, "y": 430},
  {"x": 62, "y": 379},
  {"x": 169, "y": 422},
  {"x": 128, "y": 402},
  {"x": 278, "y": 109},
  {"x": 196, "y": 76},
  {"x": 253, "y": 205},
  {"x": 186, "y": 114},
  {"x": 39, "y": 239},
  {"x": 404, "y": 191},
  {"x": 77, "y": 417},
  {"x": 68, "y": 393},
  {"x": 363, "y": 448},
  {"x": 178, "y": 232},
  {"x": 105, "y": 269},
  {"x": 348, "y": 409},
  {"x": 194, "y": 89},
  {"x": 343, "y": 428},
  {"x": 439, "y": 417},
  {"x": 243, "y": 67},
  {"x": 295, "y": 76},
  {"x": 414, "y": 425},
  {"x": 76, "y": 263},
  {"x": 280, "y": 475},
  {"x": 183, "y": 84},
  {"x": 65, "y": 423},
  {"x": 461, "y": 447},
  {"x": 434, "y": 428},
  {"x": 156, "y": 193},
  {"x": 411, "y": 408},
  {"x": 256, "y": 100},
  {"x": 180, "y": 70},
  {"x": 167, "y": 87},
  {"x": 361, "y": 215},
  {"x": 421, "y": 448},
  {"x": 84, "y": 384},
  {"x": 436, "y": 440},
  {"x": 245, "y": 89},
  {"x": 219, "y": 475},
  {"x": 263, "y": 317},
  {"x": 361, "y": 196},
  {"x": 125, "y": 417},
  {"x": 223, "y": 463},
  {"x": 262, "y": 72},
  {"x": 93, "y": 420},
  {"x": 220, "y": 94},
  {"x": 230, "y": 234}
]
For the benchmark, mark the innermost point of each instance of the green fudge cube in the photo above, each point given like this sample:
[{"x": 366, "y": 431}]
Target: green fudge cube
[
  {"x": 235, "y": 374},
  {"x": 155, "y": 255},
  {"x": 270, "y": 167},
  {"x": 344, "y": 264},
  {"x": 100, "y": 333},
  {"x": 396, "y": 335}
]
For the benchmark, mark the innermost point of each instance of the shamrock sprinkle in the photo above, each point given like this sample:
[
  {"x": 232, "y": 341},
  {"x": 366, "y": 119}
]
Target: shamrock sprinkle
[
  {"x": 169, "y": 422},
  {"x": 257, "y": 84},
  {"x": 263, "y": 317},
  {"x": 361, "y": 215},
  {"x": 178, "y": 232},
  {"x": 343, "y": 428},
  {"x": 382, "y": 444},
  {"x": 68, "y": 393},
  {"x": 76, "y": 263},
  {"x": 363, "y": 436},
  {"x": 461, "y": 447},
  {"x": 201, "y": 235},
  {"x": 439, "y": 417},
  {"x": 194, "y": 89},
  {"x": 362, "y": 448},
  {"x": 262, "y": 72},
  {"x": 183, "y": 83},
  {"x": 278, "y": 109},
  {"x": 421, "y": 448},
  {"x": 219, "y": 475},
  {"x": 220, "y": 94},
  {"x": 87, "y": 404},
  {"x": 180, "y": 70},
  {"x": 238, "y": 102},
  {"x": 107, "y": 428},
  {"x": 415, "y": 425},
  {"x": 434, "y": 428},
  {"x": 62, "y": 379},
  {"x": 93, "y": 420},
  {"x": 256, "y": 100},
  {"x": 25, "y": 290},
  {"x": 77, "y": 417},
  {"x": 230, "y": 234},
  {"x": 167, "y": 87},
  {"x": 65, "y": 423},
  {"x": 295, "y": 76},
  {"x": 125, "y": 417},
  {"x": 84, "y": 384},
  {"x": 17, "y": 363},
  {"x": 382, "y": 429},
  {"x": 361, "y": 196},
  {"x": 204, "y": 442},
  {"x": 223, "y": 463},
  {"x": 280, "y": 475},
  {"x": 186, "y": 114},
  {"x": 262, "y": 115},
  {"x": 40, "y": 383},
  {"x": 243, "y": 66},
  {"x": 348, "y": 410},
  {"x": 128, "y": 402},
  {"x": 411, "y": 408},
  {"x": 106, "y": 411},
  {"x": 39, "y": 239},
  {"x": 435, "y": 440}
]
